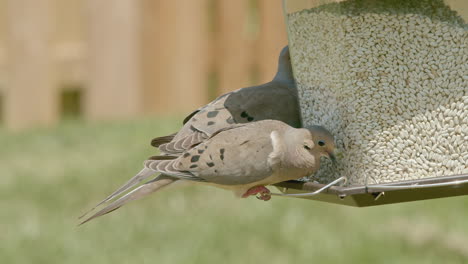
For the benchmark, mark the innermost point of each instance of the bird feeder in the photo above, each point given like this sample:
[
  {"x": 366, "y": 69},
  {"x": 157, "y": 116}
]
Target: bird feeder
[{"x": 389, "y": 78}]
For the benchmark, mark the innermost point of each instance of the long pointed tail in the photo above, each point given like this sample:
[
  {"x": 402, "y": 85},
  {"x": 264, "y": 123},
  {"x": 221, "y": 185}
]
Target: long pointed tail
[
  {"x": 138, "y": 193},
  {"x": 141, "y": 176}
]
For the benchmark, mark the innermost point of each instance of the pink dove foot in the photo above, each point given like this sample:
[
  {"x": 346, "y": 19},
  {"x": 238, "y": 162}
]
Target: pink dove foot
[{"x": 261, "y": 192}]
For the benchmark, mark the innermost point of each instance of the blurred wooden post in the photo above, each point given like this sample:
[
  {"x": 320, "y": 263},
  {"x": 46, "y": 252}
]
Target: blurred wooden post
[
  {"x": 70, "y": 46},
  {"x": 235, "y": 54},
  {"x": 272, "y": 38},
  {"x": 31, "y": 96},
  {"x": 3, "y": 13},
  {"x": 113, "y": 53},
  {"x": 177, "y": 57},
  {"x": 154, "y": 96}
]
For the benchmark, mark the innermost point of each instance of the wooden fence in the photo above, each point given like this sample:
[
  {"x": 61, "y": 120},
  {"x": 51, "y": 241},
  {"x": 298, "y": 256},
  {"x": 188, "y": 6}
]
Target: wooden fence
[{"x": 131, "y": 57}]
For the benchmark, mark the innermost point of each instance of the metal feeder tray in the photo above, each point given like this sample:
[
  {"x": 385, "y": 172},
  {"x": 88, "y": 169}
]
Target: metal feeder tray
[{"x": 377, "y": 194}]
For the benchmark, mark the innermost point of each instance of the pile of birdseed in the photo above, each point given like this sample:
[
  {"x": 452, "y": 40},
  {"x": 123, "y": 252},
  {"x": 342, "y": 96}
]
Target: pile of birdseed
[{"x": 389, "y": 78}]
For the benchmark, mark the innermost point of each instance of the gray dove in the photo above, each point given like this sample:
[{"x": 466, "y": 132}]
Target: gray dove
[
  {"x": 275, "y": 100},
  {"x": 243, "y": 158}
]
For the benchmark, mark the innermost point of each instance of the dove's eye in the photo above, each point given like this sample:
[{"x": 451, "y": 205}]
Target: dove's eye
[
  {"x": 321, "y": 143},
  {"x": 306, "y": 147}
]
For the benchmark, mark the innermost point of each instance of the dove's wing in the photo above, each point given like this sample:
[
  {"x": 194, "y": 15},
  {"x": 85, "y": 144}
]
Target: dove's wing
[
  {"x": 269, "y": 101},
  {"x": 200, "y": 127},
  {"x": 178, "y": 146},
  {"x": 234, "y": 156},
  {"x": 187, "y": 118},
  {"x": 156, "y": 142},
  {"x": 165, "y": 165},
  {"x": 272, "y": 100},
  {"x": 275, "y": 100}
]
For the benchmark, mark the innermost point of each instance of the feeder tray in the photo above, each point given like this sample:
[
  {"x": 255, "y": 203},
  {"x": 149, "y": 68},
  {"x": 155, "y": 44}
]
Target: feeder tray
[{"x": 378, "y": 194}]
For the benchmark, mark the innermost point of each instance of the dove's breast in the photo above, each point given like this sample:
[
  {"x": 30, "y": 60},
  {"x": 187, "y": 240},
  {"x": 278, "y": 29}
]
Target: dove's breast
[
  {"x": 236, "y": 162},
  {"x": 275, "y": 177}
]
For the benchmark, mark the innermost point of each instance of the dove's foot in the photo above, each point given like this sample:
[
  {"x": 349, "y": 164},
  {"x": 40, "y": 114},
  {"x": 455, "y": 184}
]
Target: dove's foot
[{"x": 261, "y": 192}]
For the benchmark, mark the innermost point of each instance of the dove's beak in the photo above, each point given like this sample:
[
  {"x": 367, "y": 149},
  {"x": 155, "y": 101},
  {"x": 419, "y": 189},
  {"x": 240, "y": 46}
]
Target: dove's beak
[{"x": 332, "y": 157}]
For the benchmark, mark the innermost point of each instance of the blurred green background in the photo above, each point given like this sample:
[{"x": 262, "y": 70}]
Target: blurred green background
[
  {"x": 50, "y": 176},
  {"x": 114, "y": 60}
]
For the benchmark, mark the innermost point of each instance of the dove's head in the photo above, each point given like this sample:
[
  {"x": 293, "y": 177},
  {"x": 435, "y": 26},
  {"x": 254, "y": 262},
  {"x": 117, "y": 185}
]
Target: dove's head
[
  {"x": 284, "y": 66},
  {"x": 321, "y": 143},
  {"x": 306, "y": 145}
]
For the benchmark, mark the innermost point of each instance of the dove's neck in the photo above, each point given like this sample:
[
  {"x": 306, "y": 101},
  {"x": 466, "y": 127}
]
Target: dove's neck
[{"x": 295, "y": 155}]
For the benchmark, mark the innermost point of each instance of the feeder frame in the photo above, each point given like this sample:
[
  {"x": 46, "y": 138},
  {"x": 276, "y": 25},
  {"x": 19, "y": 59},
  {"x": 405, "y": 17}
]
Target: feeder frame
[{"x": 380, "y": 194}]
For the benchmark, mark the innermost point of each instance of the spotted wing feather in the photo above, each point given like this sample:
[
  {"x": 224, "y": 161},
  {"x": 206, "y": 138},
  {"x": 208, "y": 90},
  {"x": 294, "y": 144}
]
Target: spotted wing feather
[
  {"x": 233, "y": 156},
  {"x": 165, "y": 167}
]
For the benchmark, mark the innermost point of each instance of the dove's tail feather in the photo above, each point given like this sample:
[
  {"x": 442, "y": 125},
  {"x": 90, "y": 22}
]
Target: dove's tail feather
[
  {"x": 141, "y": 176},
  {"x": 183, "y": 144},
  {"x": 163, "y": 157},
  {"x": 144, "y": 174},
  {"x": 138, "y": 193},
  {"x": 156, "y": 142}
]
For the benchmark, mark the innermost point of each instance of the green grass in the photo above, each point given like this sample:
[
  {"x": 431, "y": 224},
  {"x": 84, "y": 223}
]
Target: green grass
[{"x": 50, "y": 176}]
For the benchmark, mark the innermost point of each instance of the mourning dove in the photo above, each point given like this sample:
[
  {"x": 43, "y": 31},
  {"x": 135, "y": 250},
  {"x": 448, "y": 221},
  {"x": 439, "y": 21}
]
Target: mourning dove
[
  {"x": 275, "y": 100},
  {"x": 242, "y": 158}
]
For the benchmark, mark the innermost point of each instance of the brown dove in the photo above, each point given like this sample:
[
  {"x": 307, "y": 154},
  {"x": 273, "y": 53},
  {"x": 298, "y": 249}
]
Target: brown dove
[
  {"x": 243, "y": 158},
  {"x": 275, "y": 100}
]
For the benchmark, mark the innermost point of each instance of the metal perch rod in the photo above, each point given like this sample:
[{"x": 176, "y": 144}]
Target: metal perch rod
[
  {"x": 317, "y": 191},
  {"x": 383, "y": 187}
]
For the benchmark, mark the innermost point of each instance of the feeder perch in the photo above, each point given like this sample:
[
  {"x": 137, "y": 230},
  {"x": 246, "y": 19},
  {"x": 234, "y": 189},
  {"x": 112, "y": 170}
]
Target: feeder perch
[{"x": 389, "y": 79}]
